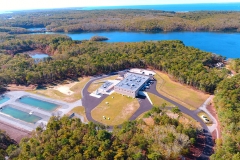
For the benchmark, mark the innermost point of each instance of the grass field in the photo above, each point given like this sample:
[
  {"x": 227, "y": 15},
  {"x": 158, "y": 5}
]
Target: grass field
[
  {"x": 119, "y": 109},
  {"x": 96, "y": 84},
  {"x": 79, "y": 110},
  {"x": 157, "y": 101},
  {"x": 188, "y": 97},
  {"x": 55, "y": 94}
]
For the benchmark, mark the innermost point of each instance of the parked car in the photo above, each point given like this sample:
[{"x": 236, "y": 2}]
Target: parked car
[{"x": 203, "y": 116}]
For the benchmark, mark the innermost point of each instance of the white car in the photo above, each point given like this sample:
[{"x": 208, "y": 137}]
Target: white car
[{"x": 205, "y": 119}]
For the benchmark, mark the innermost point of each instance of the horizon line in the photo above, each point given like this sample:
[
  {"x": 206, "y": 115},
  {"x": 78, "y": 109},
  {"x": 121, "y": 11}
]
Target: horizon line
[{"x": 31, "y": 9}]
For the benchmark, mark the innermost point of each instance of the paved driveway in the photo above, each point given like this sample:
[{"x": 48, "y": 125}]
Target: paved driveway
[{"x": 90, "y": 103}]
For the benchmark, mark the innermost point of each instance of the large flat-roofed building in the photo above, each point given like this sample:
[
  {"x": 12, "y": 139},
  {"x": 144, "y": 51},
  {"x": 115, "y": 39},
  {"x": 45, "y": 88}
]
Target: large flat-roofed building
[
  {"x": 131, "y": 84},
  {"x": 105, "y": 87}
]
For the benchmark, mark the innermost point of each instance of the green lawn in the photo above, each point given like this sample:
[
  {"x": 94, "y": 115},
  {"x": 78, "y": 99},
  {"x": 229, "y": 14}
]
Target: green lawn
[
  {"x": 157, "y": 101},
  {"x": 96, "y": 84},
  {"x": 182, "y": 94},
  {"x": 119, "y": 109},
  {"x": 79, "y": 110}
]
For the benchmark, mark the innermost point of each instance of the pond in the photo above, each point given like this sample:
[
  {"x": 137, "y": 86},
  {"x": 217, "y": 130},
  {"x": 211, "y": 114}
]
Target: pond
[
  {"x": 38, "y": 103},
  {"x": 4, "y": 99},
  {"x": 18, "y": 114},
  {"x": 38, "y": 55}
]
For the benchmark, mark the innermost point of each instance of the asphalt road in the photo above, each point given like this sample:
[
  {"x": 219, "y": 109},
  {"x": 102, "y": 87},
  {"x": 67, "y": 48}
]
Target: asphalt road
[
  {"x": 208, "y": 149},
  {"x": 90, "y": 103}
]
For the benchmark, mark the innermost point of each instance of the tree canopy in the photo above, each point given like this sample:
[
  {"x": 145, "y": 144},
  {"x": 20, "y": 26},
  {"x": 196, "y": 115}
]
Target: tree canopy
[
  {"x": 124, "y": 20},
  {"x": 72, "y": 59},
  {"x": 66, "y": 138},
  {"x": 227, "y": 102}
]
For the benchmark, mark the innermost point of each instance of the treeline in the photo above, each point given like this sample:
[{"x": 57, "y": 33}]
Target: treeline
[
  {"x": 5, "y": 142},
  {"x": 73, "y": 59},
  {"x": 124, "y": 20},
  {"x": 227, "y": 102},
  {"x": 66, "y": 138},
  {"x": 12, "y": 44}
]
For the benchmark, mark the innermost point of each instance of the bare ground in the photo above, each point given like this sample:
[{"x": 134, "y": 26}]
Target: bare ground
[
  {"x": 149, "y": 121},
  {"x": 13, "y": 132},
  {"x": 14, "y": 87}
]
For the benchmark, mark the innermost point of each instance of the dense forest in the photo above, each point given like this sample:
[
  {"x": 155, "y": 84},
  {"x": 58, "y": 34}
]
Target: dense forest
[
  {"x": 70, "y": 139},
  {"x": 235, "y": 65},
  {"x": 124, "y": 20},
  {"x": 66, "y": 138},
  {"x": 227, "y": 102},
  {"x": 71, "y": 59}
]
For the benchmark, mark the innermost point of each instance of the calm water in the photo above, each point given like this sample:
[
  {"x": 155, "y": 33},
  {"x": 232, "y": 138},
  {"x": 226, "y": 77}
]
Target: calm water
[
  {"x": 4, "y": 99},
  {"x": 38, "y": 103},
  {"x": 18, "y": 114},
  {"x": 225, "y": 44},
  {"x": 177, "y": 7},
  {"x": 38, "y": 55},
  {"x": 36, "y": 29}
]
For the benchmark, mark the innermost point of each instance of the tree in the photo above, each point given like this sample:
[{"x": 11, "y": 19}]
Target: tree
[{"x": 176, "y": 110}]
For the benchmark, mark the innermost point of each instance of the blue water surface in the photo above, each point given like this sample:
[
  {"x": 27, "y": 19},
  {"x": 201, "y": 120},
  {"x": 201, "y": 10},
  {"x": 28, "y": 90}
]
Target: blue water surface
[
  {"x": 18, "y": 114},
  {"x": 38, "y": 103},
  {"x": 225, "y": 44},
  {"x": 176, "y": 7},
  {"x": 38, "y": 55},
  {"x": 4, "y": 99}
]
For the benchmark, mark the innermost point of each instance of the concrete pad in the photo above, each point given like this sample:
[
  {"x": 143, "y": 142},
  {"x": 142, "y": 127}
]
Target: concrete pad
[
  {"x": 142, "y": 71},
  {"x": 94, "y": 95}
]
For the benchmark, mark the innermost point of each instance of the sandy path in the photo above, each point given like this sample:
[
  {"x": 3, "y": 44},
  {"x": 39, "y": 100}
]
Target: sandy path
[{"x": 65, "y": 88}]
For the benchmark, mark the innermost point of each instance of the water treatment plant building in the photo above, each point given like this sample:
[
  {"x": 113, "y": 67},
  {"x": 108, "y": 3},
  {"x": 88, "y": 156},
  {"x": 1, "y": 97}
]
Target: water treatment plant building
[{"x": 131, "y": 84}]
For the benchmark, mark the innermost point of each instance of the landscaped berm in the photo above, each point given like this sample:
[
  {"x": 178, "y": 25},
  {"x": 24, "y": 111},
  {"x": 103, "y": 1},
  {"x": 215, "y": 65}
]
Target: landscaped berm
[
  {"x": 69, "y": 92},
  {"x": 182, "y": 94},
  {"x": 115, "y": 109}
]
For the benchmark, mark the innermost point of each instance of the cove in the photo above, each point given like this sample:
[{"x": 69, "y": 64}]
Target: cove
[{"x": 225, "y": 44}]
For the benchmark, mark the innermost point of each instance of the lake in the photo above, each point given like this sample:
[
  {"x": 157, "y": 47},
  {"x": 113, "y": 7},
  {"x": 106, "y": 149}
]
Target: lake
[{"x": 225, "y": 44}]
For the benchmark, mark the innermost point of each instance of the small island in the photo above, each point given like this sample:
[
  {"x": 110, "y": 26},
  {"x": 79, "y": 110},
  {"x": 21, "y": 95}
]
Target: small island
[{"x": 98, "y": 38}]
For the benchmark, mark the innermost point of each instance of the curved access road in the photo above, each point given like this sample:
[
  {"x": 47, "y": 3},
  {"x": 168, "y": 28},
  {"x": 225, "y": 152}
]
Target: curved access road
[
  {"x": 208, "y": 149},
  {"x": 90, "y": 103}
]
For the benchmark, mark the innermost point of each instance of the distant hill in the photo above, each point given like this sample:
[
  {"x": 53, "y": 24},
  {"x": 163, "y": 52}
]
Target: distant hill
[{"x": 121, "y": 20}]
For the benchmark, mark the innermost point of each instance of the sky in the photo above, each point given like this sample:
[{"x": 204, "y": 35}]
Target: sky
[{"x": 8, "y": 5}]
